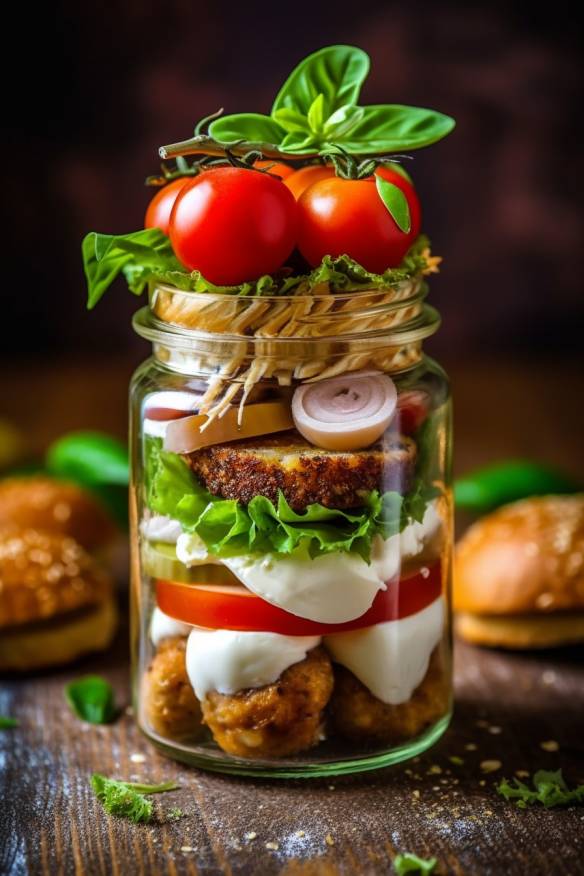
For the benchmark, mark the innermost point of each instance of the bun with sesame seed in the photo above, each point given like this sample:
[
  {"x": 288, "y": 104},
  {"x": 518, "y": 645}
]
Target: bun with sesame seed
[
  {"x": 519, "y": 575},
  {"x": 41, "y": 502},
  {"x": 56, "y": 602}
]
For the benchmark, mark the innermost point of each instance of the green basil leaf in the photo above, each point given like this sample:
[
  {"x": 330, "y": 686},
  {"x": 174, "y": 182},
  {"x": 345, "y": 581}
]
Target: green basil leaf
[
  {"x": 89, "y": 458},
  {"x": 7, "y": 723},
  {"x": 105, "y": 256},
  {"x": 253, "y": 127},
  {"x": 297, "y": 143},
  {"x": 396, "y": 128},
  {"x": 291, "y": 120},
  {"x": 92, "y": 699},
  {"x": 342, "y": 121},
  {"x": 336, "y": 72},
  {"x": 396, "y": 203},
  {"x": 316, "y": 114}
]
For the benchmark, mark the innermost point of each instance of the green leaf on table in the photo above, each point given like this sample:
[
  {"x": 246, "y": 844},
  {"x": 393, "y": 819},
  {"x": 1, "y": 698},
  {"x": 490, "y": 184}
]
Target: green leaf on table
[
  {"x": 89, "y": 458},
  {"x": 407, "y": 862},
  {"x": 252, "y": 127},
  {"x": 396, "y": 203},
  {"x": 106, "y": 256},
  {"x": 549, "y": 789},
  {"x": 334, "y": 74},
  {"x": 396, "y": 128},
  {"x": 92, "y": 699},
  {"x": 127, "y": 799},
  {"x": 7, "y": 723}
]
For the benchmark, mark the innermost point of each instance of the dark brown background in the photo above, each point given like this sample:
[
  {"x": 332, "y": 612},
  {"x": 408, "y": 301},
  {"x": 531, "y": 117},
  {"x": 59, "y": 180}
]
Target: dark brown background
[{"x": 93, "y": 90}]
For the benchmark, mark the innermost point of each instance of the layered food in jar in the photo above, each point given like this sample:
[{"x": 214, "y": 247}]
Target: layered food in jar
[
  {"x": 295, "y": 579},
  {"x": 290, "y": 441}
]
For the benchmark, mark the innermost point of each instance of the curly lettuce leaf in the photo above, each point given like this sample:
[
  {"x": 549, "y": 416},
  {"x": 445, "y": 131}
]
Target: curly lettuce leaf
[
  {"x": 145, "y": 257},
  {"x": 230, "y": 528}
]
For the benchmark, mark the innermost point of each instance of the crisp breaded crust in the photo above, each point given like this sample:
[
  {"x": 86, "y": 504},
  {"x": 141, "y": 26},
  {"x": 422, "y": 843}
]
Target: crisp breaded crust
[
  {"x": 358, "y": 715},
  {"x": 279, "y": 719},
  {"x": 170, "y": 705},
  {"x": 304, "y": 473}
]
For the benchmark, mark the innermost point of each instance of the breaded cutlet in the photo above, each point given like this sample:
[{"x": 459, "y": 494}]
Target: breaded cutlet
[{"x": 304, "y": 473}]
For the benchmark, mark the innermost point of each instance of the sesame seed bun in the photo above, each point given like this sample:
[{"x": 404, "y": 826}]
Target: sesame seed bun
[
  {"x": 40, "y": 502},
  {"x": 56, "y": 603},
  {"x": 519, "y": 575}
]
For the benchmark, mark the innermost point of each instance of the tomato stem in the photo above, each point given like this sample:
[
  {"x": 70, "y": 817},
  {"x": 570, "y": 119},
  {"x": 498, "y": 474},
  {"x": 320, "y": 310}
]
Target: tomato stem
[
  {"x": 182, "y": 168},
  {"x": 202, "y": 144},
  {"x": 348, "y": 166}
]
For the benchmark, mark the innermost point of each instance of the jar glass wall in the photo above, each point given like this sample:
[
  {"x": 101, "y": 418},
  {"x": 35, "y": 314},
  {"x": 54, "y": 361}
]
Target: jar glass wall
[{"x": 290, "y": 593}]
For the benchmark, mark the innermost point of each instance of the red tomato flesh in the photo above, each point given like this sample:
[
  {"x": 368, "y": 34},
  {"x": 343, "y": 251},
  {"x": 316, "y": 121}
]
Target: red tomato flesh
[
  {"x": 277, "y": 168},
  {"x": 237, "y": 608},
  {"x": 347, "y": 217},
  {"x": 160, "y": 207},
  {"x": 233, "y": 224}
]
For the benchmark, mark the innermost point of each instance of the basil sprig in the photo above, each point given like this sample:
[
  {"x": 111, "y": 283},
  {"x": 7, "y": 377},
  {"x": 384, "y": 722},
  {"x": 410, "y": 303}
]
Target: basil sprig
[
  {"x": 136, "y": 255},
  {"x": 317, "y": 106}
]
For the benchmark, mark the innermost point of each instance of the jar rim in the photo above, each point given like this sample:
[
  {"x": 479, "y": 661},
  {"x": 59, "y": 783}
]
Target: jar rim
[
  {"x": 417, "y": 329},
  {"x": 396, "y": 313}
]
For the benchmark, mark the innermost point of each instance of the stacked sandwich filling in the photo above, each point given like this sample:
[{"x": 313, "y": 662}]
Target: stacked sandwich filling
[{"x": 291, "y": 569}]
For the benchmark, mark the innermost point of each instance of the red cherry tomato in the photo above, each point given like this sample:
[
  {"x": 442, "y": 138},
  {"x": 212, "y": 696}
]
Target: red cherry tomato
[
  {"x": 233, "y": 225},
  {"x": 339, "y": 216},
  {"x": 412, "y": 410},
  {"x": 274, "y": 167},
  {"x": 301, "y": 179},
  {"x": 236, "y": 608},
  {"x": 160, "y": 207}
]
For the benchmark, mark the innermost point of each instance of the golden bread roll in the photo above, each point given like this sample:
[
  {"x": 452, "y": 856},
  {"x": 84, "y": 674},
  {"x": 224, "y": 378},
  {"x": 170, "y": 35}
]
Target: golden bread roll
[
  {"x": 519, "y": 575},
  {"x": 40, "y": 502},
  {"x": 56, "y": 603}
]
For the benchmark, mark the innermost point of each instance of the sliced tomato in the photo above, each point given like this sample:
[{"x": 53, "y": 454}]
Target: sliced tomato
[
  {"x": 412, "y": 409},
  {"x": 237, "y": 608}
]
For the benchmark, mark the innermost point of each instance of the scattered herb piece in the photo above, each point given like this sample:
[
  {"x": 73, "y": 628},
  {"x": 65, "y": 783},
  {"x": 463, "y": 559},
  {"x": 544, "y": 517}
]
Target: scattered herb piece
[
  {"x": 7, "y": 723},
  {"x": 92, "y": 699},
  {"x": 549, "y": 789},
  {"x": 407, "y": 862},
  {"x": 175, "y": 813},
  {"x": 126, "y": 799},
  {"x": 490, "y": 766},
  {"x": 457, "y": 761}
]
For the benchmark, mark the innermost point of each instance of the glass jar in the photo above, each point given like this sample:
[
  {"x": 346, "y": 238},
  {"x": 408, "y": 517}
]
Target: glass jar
[{"x": 290, "y": 589}]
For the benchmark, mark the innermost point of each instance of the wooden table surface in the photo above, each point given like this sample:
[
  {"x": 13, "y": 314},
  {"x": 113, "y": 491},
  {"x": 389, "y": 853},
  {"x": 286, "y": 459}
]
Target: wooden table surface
[{"x": 507, "y": 705}]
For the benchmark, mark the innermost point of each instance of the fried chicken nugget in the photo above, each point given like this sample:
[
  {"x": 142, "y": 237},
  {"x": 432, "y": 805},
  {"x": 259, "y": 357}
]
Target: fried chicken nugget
[
  {"x": 279, "y": 719},
  {"x": 170, "y": 705},
  {"x": 357, "y": 715}
]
